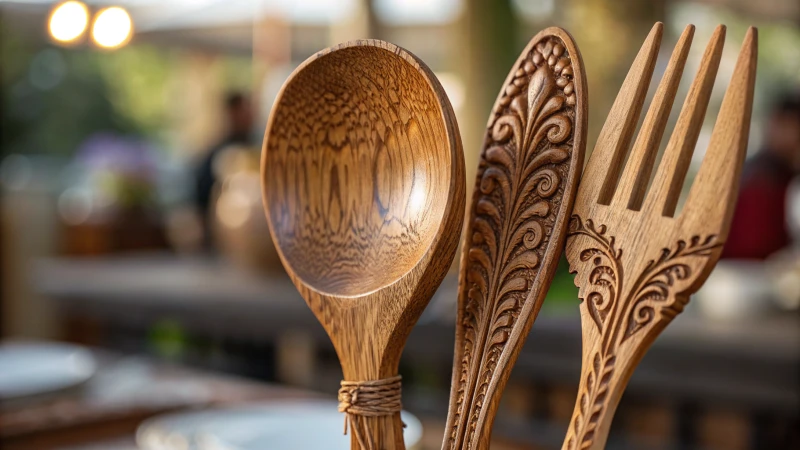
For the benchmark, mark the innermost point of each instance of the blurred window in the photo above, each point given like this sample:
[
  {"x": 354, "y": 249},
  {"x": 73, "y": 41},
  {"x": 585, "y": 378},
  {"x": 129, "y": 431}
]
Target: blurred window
[{"x": 418, "y": 12}]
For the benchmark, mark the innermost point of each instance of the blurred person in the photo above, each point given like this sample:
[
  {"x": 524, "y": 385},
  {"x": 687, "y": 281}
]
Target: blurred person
[
  {"x": 239, "y": 119},
  {"x": 759, "y": 226}
]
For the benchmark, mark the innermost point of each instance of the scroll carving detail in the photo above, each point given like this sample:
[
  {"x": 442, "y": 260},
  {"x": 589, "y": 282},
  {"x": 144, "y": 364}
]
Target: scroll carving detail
[
  {"x": 527, "y": 155},
  {"x": 621, "y": 312}
]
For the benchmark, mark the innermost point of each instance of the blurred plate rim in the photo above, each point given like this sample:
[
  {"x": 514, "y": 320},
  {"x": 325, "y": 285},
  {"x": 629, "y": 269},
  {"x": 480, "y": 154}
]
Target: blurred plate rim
[
  {"x": 79, "y": 365},
  {"x": 161, "y": 423}
]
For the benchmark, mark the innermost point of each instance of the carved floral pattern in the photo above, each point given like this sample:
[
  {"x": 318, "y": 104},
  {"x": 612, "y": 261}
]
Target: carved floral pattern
[
  {"x": 592, "y": 402},
  {"x": 606, "y": 274},
  {"x": 518, "y": 197},
  {"x": 650, "y": 300}
]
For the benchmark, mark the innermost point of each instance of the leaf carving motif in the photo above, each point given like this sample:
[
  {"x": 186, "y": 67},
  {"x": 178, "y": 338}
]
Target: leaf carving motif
[
  {"x": 605, "y": 276},
  {"x": 653, "y": 286},
  {"x": 591, "y": 402},
  {"x": 651, "y": 298},
  {"x": 527, "y": 155}
]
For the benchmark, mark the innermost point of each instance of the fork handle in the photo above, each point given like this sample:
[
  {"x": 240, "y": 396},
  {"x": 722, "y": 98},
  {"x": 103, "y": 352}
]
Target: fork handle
[
  {"x": 605, "y": 372},
  {"x": 599, "y": 393},
  {"x": 604, "y": 376}
]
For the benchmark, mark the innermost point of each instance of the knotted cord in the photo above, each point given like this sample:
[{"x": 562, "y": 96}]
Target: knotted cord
[{"x": 361, "y": 399}]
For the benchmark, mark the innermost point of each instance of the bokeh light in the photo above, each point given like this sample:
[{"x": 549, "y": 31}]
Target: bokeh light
[
  {"x": 68, "y": 21},
  {"x": 112, "y": 28}
]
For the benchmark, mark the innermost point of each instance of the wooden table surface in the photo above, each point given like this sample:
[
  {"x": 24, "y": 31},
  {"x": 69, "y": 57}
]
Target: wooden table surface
[
  {"x": 105, "y": 411},
  {"x": 751, "y": 366}
]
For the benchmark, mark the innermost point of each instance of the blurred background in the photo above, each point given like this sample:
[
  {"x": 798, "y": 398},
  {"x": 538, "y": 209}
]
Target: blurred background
[{"x": 138, "y": 276}]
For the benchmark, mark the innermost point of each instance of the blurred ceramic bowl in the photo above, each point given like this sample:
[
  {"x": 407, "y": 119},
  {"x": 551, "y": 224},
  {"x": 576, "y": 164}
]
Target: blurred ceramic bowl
[
  {"x": 301, "y": 425},
  {"x": 29, "y": 369},
  {"x": 735, "y": 290}
]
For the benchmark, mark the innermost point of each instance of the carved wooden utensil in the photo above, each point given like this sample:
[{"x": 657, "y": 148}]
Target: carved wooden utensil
[
  {"x": 527, "y": 177},
  {"x": 637, "y": 261},
  {"x": 363, "y": 179}
]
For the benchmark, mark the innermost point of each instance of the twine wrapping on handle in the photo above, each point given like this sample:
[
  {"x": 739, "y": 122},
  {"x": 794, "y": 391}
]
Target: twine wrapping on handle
[{"x": 375, "y": 398}]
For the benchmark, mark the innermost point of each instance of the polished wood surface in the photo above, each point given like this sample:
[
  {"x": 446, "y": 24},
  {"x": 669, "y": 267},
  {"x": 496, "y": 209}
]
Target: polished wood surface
[
  {"x": 527, "y": 179},
  {"x": 695, "y": 365},
  {"x": 363, "y": 178},
  {"x": 637, "y": 261}
]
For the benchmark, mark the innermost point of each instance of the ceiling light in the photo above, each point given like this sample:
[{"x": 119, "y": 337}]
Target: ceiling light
[
  {"x": 112, "y": 28},
  {"x": 68, "y": 21}
]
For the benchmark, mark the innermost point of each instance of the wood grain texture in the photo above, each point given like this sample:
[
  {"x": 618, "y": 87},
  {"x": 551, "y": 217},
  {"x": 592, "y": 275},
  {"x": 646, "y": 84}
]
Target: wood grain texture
[
  {"x": 363, "y": 179},
  {"x": 527, "y": 179},
  {"x": 636, "y": 262}
]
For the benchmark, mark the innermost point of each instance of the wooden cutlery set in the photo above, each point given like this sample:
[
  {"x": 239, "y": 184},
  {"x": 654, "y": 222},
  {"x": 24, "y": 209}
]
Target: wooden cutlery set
[{"x": 364, "y": 189}]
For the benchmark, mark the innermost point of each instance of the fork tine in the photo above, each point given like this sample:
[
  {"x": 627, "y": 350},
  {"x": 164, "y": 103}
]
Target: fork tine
[
  {"x": 674, "y": 164},
  {"x": 615, "y": 137},
  {"x": 633, "y": 184},
  {"x": 712, "y": 197}
]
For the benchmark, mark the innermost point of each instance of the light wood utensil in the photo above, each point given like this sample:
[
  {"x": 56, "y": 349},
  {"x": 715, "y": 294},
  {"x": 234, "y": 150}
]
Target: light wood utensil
[
  {"x": 637, "y": 261},
  {"x": 527, "y": 178},
  {"x": 363, "y": 179}
]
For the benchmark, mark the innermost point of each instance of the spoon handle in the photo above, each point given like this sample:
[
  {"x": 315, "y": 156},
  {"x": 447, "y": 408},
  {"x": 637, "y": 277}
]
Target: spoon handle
[
  {"x": 526, "y": 184},
  {"x": 372, "y": 433}
]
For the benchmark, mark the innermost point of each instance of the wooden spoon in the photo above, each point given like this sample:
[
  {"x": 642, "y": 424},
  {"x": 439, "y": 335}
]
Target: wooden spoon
[
  {"x": 527, "y": 179},
  {"x": 363, "y": 180}
]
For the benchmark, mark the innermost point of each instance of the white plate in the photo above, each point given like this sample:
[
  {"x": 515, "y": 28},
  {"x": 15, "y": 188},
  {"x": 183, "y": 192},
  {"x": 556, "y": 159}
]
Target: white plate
[
  {"x": 28, "y": 368},
  {"x": 303, "y": 425}
]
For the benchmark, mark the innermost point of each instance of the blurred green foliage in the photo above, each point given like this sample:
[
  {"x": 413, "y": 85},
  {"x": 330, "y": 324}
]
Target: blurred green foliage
[
  {"x": 54, "y": 98},
  {"x": 167, "y": 339},
  {"x": 138, "y": 80},
  {"x": 562, "y": 295}
]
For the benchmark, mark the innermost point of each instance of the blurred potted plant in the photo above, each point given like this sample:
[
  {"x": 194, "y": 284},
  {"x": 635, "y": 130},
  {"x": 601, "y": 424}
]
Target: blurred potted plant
[{"x": 110, "y": 202}]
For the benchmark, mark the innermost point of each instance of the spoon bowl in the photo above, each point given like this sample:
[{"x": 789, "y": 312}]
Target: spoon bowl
[
  {"x": 365, "y": 139},
  {"x": 363, "y": 180}
]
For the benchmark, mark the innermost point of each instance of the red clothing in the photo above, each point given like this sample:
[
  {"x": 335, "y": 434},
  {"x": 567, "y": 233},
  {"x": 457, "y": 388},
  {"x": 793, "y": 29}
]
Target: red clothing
[{"x": 759, "y": 222}]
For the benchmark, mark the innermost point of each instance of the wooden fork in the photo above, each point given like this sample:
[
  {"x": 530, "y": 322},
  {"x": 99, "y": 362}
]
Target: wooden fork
[{"x": 636, "y": 261}]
